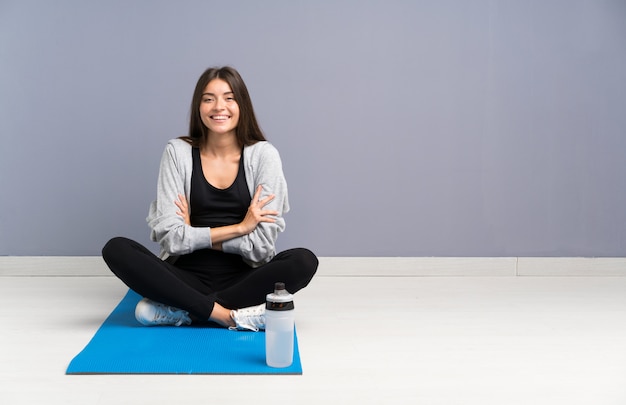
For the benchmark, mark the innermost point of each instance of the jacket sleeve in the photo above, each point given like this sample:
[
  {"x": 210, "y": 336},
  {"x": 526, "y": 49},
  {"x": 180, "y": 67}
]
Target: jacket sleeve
[
  {"x": 167, "y": 228},
  {"x": 259, "y": 247}
]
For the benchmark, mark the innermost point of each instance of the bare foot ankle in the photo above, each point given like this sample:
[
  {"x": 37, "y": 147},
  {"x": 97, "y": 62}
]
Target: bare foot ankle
[{"x": 222, "y": 316}]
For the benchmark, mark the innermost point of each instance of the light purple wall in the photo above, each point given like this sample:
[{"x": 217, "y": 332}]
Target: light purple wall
[{"x": 407, "y": 128}]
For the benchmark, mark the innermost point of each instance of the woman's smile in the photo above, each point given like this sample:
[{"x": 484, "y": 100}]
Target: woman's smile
[{"x": 219, "y": 109}]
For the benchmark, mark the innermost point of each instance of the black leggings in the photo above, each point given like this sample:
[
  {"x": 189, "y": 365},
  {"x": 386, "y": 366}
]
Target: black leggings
[{"x": 232, "y": 283}]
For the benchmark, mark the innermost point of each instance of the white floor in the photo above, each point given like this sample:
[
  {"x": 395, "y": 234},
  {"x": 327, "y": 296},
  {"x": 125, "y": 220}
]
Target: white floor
[{"x": 363, "y": 340}]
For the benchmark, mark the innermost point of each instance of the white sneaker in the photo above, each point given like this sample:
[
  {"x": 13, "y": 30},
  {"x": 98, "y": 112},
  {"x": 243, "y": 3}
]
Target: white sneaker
[
  {"x": 251, "y": 318},
  {"x": 152, "y": 313}
]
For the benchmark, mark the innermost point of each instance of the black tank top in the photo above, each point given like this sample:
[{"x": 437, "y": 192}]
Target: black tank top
[{"x": 211, "y": 206}]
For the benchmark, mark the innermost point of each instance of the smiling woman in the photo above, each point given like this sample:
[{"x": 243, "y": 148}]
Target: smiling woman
[
  {"x": 219, "y": 111},
  {"x": 220, "y": 202},
  {"x": 227, "y": 84}
]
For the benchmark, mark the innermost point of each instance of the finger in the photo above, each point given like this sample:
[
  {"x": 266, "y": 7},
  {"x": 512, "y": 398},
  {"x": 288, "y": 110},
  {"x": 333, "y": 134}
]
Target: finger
[
  {"x": 257, "y": 194},
  {"x": 267, "y": 200},
  {"x": 267, "y": 219}
]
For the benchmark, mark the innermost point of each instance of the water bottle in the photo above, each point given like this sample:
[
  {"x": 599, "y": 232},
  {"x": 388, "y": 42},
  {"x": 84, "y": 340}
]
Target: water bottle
[{"x": 279, "y": 325}]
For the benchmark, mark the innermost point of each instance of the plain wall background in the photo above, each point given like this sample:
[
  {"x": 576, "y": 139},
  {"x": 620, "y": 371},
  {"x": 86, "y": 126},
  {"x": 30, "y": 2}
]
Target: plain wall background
[{"x": 406, "y": 128}]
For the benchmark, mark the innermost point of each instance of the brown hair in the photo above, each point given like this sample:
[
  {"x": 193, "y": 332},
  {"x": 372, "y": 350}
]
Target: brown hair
[{"x": 248, "y": 130}]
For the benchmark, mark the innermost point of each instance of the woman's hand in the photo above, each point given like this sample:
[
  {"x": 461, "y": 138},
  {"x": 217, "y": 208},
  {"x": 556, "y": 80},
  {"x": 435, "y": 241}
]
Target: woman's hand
[
  {"x": 183, "y": 208},
  {"x": 256, "y": 214}
]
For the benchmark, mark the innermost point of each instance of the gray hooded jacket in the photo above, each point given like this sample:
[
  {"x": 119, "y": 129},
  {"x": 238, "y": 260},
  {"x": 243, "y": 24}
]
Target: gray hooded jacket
[{"x": 262, "y": 166}]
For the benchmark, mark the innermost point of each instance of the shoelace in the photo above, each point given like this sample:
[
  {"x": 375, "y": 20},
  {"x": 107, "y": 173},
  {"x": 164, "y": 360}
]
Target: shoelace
[
  {"x": 249, "y": 318},
  {"x": 169, "y": 315}
]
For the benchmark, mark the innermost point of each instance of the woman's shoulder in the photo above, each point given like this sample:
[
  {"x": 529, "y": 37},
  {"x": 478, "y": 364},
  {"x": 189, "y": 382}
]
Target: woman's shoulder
[
  {"x": 178, "y": 148},
  {"x": 262, "y": 155},
  {"x": 260, "y": 150},
  {"x": 178, "y": 144}
]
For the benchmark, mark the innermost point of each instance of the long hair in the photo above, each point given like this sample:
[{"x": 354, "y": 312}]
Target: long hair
[{"x": 248, "y": 131}]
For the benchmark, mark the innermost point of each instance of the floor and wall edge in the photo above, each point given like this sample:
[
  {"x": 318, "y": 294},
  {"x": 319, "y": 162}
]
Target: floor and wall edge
[{"x": 94, "y": 266}]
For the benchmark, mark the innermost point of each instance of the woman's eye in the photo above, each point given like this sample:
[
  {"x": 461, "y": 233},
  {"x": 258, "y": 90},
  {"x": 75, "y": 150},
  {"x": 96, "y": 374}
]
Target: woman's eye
[{"x": 207, "y": 100}]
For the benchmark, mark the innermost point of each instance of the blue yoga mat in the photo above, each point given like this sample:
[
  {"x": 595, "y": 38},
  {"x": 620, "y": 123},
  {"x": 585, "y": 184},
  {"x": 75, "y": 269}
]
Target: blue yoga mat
[{"x": 123, "y": 346}]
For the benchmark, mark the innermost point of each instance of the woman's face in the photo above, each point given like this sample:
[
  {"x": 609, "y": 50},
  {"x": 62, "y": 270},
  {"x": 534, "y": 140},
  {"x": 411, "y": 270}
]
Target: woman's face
[{"x": 219, "y": 110}]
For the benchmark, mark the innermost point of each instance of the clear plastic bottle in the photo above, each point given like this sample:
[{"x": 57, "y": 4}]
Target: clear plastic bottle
[{"x": 279, "y": 327}]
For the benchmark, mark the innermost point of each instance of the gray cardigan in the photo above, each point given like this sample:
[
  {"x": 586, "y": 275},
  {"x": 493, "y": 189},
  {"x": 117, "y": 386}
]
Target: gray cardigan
[{"x": 262, "y": 165}]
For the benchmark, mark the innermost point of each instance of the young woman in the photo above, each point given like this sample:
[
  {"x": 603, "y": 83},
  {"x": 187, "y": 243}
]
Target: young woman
[{"x": 221, "y": 196}]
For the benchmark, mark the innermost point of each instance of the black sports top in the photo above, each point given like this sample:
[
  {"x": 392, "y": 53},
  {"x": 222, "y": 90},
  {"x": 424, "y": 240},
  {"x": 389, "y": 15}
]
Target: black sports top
[{"x": 211, "y": 206}]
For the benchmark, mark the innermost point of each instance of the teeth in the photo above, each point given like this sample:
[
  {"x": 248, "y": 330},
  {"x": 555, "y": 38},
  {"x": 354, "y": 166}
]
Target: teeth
[{"x": 220, "y": 117}]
